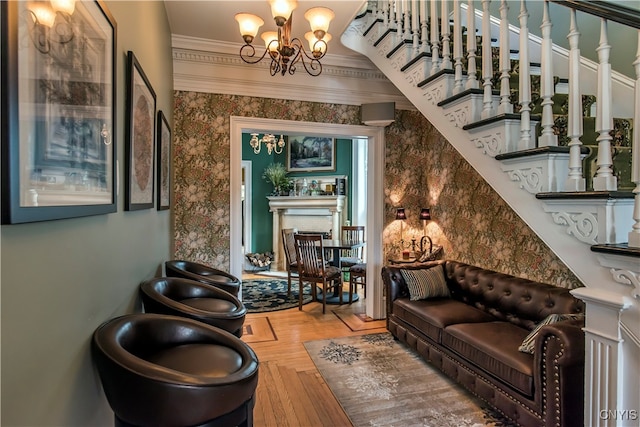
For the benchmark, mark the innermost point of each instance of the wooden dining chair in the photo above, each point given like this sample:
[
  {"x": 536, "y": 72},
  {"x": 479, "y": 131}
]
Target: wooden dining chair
[
  {"x": 313, "y": 268},
  {"x": 291, "y": 259},
  {"x": 351, "y": 257}
]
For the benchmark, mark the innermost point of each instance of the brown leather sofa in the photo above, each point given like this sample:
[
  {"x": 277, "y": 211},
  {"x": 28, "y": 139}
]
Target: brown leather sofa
[{"x": 473, "y": 336}]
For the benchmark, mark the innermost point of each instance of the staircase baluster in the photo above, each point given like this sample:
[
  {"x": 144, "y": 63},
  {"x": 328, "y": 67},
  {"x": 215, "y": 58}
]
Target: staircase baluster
[
  {"x": 487, "y": 62},
  {"x": 446, "y": 36},
  {"x": 634, "y": 234},
  {"x": 415, "y": 27},
  {"x": 406, "y": 33},
  {"x": 505, "y": 106},
  {"x": 385, "y": 11},
  {"x": 457, "y": 48},
  {"x": 604, "y": 180},
  {"x": 524, "y": 81},
  {"x": 399, "y": 32},
  {"x": 435, "y": 38},
  {"x": 472, "y": 79},
  {"x": 575, "y": 180},
  {"x": 424, "y": 35},
  {"x": 548, "y": 137}
]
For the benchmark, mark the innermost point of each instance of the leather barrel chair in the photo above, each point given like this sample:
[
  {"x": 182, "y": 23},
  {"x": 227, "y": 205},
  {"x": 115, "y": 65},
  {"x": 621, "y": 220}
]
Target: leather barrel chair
[
  {"x": 204, "y": 274},
  {"x": 158, "y": 370},
  {"x": 195, "y": 300}
]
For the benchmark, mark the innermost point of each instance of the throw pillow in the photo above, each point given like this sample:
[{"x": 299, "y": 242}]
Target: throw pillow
[
  {"x": 527, "y": 345},
  {"x": 426, "y": 283}
]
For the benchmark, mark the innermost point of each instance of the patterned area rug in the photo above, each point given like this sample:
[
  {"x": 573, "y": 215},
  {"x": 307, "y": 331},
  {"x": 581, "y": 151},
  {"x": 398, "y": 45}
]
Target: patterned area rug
[
  {"x": 261, "y": 295},
  {"x": 380, "y": 382}
]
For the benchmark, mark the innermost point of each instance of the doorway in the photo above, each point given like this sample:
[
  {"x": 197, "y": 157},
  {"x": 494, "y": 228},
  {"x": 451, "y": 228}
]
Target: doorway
[{"x": 374, "y": 190}]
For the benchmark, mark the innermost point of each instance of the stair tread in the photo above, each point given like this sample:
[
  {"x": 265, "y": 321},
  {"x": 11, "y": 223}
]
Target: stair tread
[
  {"x": 617, "y": 249},
  {"x": 586, "y": 195},
  {"x": 537, "y": 150}
]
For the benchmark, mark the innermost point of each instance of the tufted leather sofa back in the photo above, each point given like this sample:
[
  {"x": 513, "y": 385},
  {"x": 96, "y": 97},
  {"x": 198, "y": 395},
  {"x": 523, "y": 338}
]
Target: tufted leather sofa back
[{"x": 520, "y": 301}]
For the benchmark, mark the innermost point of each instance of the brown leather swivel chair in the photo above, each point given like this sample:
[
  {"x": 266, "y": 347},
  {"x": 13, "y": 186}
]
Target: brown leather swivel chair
[
  {"x": 187, "y": 298},
  {"x": 159, "y": 370},
  {"x": 204, "y": 274}
]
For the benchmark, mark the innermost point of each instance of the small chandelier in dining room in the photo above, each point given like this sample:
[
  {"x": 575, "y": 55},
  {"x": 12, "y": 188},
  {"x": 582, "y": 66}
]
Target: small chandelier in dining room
[
  {"x": 269, "y": 140},
  {"x": 286, "y": 52}
]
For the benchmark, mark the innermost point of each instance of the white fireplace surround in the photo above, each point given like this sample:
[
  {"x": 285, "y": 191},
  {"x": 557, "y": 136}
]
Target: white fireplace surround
[{"x": 305, "y": 213}]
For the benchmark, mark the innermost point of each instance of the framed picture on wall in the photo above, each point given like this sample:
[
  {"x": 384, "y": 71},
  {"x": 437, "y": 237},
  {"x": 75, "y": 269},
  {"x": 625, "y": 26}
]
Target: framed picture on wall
[
  {"x": 163, "y": 134},
  {"x": 140, "y": 140},
  {"x": 311, "y": 153},
  {"x": 58, "y": 111}
]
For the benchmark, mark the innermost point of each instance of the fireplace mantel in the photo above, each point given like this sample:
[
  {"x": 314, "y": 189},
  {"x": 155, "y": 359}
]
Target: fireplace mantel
[{"x": 306, "y": 213}]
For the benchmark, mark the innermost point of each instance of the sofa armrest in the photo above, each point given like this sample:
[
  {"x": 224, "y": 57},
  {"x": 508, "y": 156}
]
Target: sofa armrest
[
  {"x": 559, "y": 373},
  {"x": 570, "y": 341}
]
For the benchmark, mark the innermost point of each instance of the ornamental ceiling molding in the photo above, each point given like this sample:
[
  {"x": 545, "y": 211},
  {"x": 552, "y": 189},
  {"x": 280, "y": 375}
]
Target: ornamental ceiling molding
[{"x": 215, "y": 67}]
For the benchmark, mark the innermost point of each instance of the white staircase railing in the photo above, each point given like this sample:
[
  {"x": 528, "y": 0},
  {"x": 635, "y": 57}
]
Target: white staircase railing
[{"x": 436, "y": 26}]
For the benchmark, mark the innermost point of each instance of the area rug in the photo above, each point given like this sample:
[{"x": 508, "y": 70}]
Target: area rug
[
  {"x": 261, "y": 295},
  {"x": 381, "y": 382}
]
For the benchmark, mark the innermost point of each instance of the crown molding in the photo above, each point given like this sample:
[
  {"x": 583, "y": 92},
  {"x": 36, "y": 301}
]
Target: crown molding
[{"x": 216, "y": 67}]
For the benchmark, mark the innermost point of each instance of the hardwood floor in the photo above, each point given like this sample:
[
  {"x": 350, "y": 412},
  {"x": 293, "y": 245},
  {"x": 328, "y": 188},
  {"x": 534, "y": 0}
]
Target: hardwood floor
[{"x": 291, "y": 391}]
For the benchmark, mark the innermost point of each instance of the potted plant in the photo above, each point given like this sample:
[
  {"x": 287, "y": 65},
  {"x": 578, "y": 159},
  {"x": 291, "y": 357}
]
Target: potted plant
[{"x": 277, "y": 175}]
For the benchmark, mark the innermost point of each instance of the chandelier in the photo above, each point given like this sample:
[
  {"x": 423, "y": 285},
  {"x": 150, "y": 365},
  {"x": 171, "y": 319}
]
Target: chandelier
[
  {"x": 269, "y": 140},
  {"x": 285, "y": 52},
  {"x": 45, "y": 28}
]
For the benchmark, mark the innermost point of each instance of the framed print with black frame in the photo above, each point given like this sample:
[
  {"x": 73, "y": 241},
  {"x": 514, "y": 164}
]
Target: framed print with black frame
[
  {"x": 58, "y": 112},
  {"x": 163, "y": 134},
  {"x": 311, "y": 153},
  {"x": 140, "y": 139}
]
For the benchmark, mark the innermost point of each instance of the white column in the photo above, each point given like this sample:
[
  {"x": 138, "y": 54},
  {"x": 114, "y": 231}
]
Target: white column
[
  {"x": 457, "y": 48},
  {"x": 547, "y": 138},
  {"x": 472, "y": 79},
  {"x": 634, "y": 234},
  {"x": 604, "y": 180},
  {"x": 505, "y": 106},
  {"x": 487, "y": 66},
  {"x": 278, "y": 259},
  {"x": 604, "y": 376},
  {"x": 524, "y": 81}
]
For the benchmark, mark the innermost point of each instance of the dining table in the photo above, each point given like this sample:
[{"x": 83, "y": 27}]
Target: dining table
[{"x": 337, "y": 245}]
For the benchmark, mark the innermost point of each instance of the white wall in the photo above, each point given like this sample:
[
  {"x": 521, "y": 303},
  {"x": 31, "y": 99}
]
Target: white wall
[{"x": 61, "y": 279}]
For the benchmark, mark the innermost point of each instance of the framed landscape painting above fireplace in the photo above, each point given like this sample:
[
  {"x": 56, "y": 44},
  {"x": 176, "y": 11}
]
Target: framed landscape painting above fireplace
[{"x": 311, "y": 153}]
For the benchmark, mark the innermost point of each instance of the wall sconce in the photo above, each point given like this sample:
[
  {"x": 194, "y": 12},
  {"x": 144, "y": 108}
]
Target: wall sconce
[
  {"x": 425, "y": 215},
  {"x": 45, "y": 23},
  {"x": 269, "y": 140}
]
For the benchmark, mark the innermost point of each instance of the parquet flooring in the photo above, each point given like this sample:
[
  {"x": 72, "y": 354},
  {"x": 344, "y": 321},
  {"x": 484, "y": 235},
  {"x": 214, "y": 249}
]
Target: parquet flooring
[{"x": 291, "y": 391}]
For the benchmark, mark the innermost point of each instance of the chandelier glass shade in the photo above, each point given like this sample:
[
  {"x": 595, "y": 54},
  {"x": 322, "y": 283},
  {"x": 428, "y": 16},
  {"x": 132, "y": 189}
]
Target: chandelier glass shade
[
  {"x": 269, "y": 141},
  {"x": 285, "y": 52}
]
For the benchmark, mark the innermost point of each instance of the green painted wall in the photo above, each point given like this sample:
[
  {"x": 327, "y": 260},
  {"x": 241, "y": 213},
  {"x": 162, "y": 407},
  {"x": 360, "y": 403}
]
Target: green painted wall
[{"x": 262, "y": 219}]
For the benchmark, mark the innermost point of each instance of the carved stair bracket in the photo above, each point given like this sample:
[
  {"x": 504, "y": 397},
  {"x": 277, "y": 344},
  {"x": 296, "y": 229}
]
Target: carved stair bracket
[
  {"x": 593, "y": 221},
  {"x": 465, "y": 110},
  {"x": 583, "y": 226},
  {"x": 546, "y": 172}
]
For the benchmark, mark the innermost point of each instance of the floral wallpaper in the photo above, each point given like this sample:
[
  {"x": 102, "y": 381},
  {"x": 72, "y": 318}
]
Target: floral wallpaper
[{"x": 470, "y": 221}]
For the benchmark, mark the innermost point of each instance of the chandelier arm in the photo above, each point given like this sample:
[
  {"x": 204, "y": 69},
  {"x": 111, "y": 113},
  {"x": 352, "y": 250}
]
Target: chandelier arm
[
  {"x": 313, "y": 67},
  {"x": 247, "y": 57}
]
